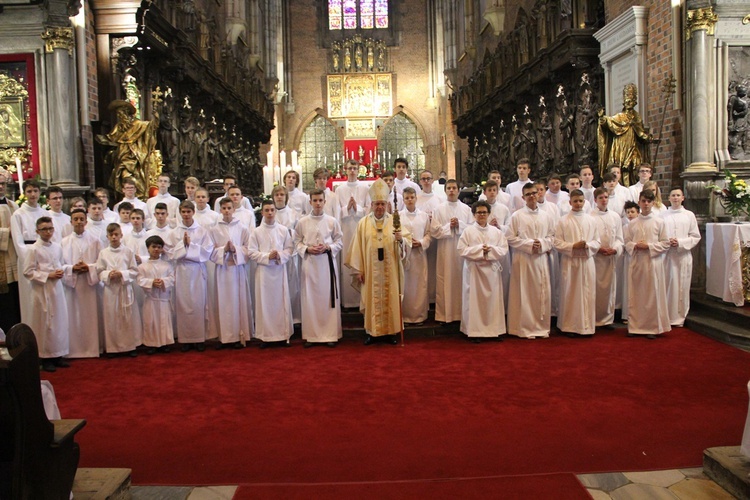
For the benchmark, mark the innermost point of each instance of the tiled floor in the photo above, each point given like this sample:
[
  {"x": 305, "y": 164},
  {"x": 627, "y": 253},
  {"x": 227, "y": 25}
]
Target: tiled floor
[{"x": 684, "y": 484}]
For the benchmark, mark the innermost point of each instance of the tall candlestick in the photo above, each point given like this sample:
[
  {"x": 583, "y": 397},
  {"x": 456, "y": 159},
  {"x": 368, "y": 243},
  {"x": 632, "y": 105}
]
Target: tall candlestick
[
  {"x": 282, "y": 159},
  {"x": 269, "y": 157},
  {"x": 277, "y": 174},
  {"x": 19, "y": 171},
  {"x": 267, "y": 179},
  {"x": 294, "y": 159}
]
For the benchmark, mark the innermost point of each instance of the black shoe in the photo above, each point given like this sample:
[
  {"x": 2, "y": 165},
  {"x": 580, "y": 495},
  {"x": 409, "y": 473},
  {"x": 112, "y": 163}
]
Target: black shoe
[
  {"x": 133, "y": 353},
  {"x": 631, "y": 335},
  {"x": 332, "y": 344},
  {"x": 151, "y": 350},
  {"x": 200, "y": 346},
  {"x": 263, "y": 345},
  {"x": 238, "y": 345},
  {"x": 111, "y": 355},
  {"x": 307, "y": 345},
  {"x": 62, "y": 363},
  {"x": 475, "y": 340},
  {"x": 369, "y": 339},
  {"x": 186, "y": 347},
  {"x": 394, "y": 340},
  {"x": 49, "y": 366},
  {"x": 165, "y": 349},
  {"x": 220, "y": 346},
  {"x": 499, "y": 338},
  {"x": 287, "y": 344},
  {"x": 651, "y": 337},
  {"x": 571, "y": 335}
]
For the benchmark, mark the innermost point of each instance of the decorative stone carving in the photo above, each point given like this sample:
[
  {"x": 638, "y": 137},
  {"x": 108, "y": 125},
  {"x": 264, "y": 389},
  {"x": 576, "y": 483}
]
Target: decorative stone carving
[
  {"x": 704, "y": 19},
  {"x": 58, "y": 38},
  {"x": 737, "y": 110}
]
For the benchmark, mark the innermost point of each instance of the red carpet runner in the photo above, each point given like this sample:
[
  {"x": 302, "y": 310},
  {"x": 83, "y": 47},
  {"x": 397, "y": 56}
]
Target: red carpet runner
[{"x": 437, "y": 408}]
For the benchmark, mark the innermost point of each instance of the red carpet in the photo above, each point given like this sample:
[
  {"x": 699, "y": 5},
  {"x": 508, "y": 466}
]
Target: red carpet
[
  {"x": 437, "y": 408},
  {"x": 557, "y": 486}
]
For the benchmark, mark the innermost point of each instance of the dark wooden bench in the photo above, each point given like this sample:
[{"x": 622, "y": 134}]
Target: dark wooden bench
[{"x": 38, "y": 457}]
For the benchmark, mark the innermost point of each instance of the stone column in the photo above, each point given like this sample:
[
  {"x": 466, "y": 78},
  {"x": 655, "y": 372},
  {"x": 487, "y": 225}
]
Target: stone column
[
  {"x": 62, "y": 99},
  {"x": 700, "y": 26}
]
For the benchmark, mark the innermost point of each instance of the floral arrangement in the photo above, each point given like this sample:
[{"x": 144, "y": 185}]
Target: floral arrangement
[{"x": 734, "y": 196}]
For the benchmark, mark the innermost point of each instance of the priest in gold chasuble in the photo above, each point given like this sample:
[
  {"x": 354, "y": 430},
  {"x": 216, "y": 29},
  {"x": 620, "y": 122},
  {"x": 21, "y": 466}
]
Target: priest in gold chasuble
[{"x": 376, "y": 256}]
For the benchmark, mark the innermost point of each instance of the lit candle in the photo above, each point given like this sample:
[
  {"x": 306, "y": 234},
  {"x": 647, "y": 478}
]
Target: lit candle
[
  {"x": 277, "y": 174},
  {"x": 294, "y": 160},
  {"x": 325, "y": 161},
  {"x": 269, "y": 157},
  {"x": 282, "y": 160},
  {"x": 19, "y": 171}
]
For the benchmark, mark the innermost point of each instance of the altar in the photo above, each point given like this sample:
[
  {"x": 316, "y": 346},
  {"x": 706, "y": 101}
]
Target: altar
[{"x": 727, "y": 257}]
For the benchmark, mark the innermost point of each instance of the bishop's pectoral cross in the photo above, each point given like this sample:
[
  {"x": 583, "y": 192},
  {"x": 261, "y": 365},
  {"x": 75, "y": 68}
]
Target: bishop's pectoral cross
[{"x": 156, "y": 95}]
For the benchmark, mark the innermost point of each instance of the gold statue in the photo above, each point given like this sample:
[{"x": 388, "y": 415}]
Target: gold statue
[
  {"x": 134, "y": 154},
  {"x": 622, "y": 138}
]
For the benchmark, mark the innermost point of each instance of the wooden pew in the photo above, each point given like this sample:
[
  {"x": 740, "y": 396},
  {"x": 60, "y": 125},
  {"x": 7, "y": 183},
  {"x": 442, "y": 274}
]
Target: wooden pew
[{"x": 38, "y": 457}]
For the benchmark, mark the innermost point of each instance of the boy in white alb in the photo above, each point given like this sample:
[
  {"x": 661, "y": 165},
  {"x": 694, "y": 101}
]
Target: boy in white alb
[
  {"x": 647, "y": 242},
  {"x": 401, "y": 168},
  {"x": 416, "y": 302},
  {"x": 163, "y": 196},
  {"x": 318, "y": 240},
  {"x": 136, "y": 239},
  {"x": 502, "y": 196},
  {"x": 607, "y": 257},
  {"x": 43, "y": 267},
  {"x": 190, "y": 246},
  {"x": 621, "y": 191},
  {"x": 572, "y": 183},
  {"x": 288, "y": 218},
  {"x": 156, "y": 279},
  {"x": 500, "y": 218},
  {"x": 587, "y": 187},
  {"x": 191, "y": 186},
  {"x": 95, "y": 223},
  {"x": 128, "y": 191},
  {"x": 354, "y": 200},
  {"x": 644, "y": 175},
  {"x": 80, "y": 253},
  {"x": 229, "y": 181},
  {"x": 448, "y": 222},
  {"x": 554, "y": 193},
  {"x": 530, "y": 236},
  {"x": 271, "y": 246},
  {"x": 123, "y": 211},
  {"x": 60, "y": 219},
  {"x": 245, "y": 215},
  {"x": 515, "y": 189},
  {"x": 481, "y": 247},
  {"x": 118, "y": 271},
  {"x": 631, "y": 213},
  {"x": 298, "y": 200},
  {"x": 233, "y": 317},
  {"x": 107, "y": 213},
  {"x": 682, "y": 229},
  {"x": 577, "y": 241}
]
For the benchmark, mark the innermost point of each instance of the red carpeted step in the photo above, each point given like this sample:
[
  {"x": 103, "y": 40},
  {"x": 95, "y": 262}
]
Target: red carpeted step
[
  {"x": 440, "y": 407},
  {"x": 557, "y": 486}
]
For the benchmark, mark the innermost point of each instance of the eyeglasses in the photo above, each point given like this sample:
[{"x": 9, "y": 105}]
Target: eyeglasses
[
  {"x": 45, "y": 229},
  {"x": 426, "y": 179}
]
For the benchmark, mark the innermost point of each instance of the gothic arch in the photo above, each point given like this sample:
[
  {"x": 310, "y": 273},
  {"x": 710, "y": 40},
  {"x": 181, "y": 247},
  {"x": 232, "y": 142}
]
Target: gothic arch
[
  {"x": 403, "y": 136},
  {"x": 318, "y": 144}
]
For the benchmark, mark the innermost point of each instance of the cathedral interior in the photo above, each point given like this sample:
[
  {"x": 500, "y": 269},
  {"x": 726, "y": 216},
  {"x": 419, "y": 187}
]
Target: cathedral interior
[{"x": 255, "y": 87}]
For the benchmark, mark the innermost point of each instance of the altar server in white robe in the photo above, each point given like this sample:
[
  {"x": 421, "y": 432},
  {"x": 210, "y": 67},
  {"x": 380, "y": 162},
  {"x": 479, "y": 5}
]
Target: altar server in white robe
[
  {"x": 416, "y": 302},
  {"x": 332, "y": 208},
  {"x": 80, "y": 253},
  {"x": 96, "y": 225},
  {"x": 23, "y": 232},
  {"x": 128, "y": 191},
  {"x": 163, "y": 196},
  {"x": 482, "y": 247},
  {"x": 428, "y": 201},
  {"x": 500, "y": 218},
  {"x": 682, "y": 229},
  {"x": 271, "y": 246},
  {"x": 577, "y": 241},
  {"x": 647, "y": 243},
  {"x": 401, "y": 181},
  {"x": 156, "y": 278},
  {"x": 502, "y": 196},
  {"x": 515, "y": 188},
  {"x": 318, "y": 241},
  {"x": 607, "y": 257},
  {"x": 644, "y": 175},
  {"x": 234, "y": 318},
  {"x": 448, "y": 222},
  {"x": 123, "y": 330},
  {"x": 229, "y": 181},
  {"x": 530, "y": 236},
  {"x": 43, "y": 266},
  {"x": 107, "y": 214},
  {"x": 297, "y": 199},
  {"x": 616, "y": 199},
  {"x": 632, "y": 210},
  {"x": 621, "y": 192},
  {"x": 553, "y": 256},
  {"x": 288, "y": 218},
  {"x": 60, "y": 219},
  {"x": 10, "y": 308},
  {"x": 354, "y": 201},
  {"x": 190, "y": 245},
  {"x": 203, "y": 213}
]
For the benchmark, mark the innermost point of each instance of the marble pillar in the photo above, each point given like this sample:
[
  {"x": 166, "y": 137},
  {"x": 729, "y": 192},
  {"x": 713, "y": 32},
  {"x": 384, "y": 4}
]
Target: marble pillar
[
  {"x": 62, "y": 99},
  {"x": 700, "y": 31}
]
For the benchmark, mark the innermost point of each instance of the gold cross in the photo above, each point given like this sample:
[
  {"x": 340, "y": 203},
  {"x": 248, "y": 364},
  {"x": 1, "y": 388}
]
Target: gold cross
[{"x": 156, "y": 95}]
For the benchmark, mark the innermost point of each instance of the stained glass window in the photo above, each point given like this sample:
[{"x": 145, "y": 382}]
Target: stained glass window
[
  {"x": 334, "y": 14},
  {"x": 400, "y": 138},
  {"x": 353, "y": 14},
  {"x": 320, "y": 142}
]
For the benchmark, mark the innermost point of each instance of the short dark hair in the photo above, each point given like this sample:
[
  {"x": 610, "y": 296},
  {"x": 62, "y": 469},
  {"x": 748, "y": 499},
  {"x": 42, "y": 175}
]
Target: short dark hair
[
  {"x": 187, "y": 204},
  {"x": 125, "y": 205},
  {"x": 265, "y": 202},
  {"x": 316, "y": 192},
  {"x": 154, "y": 240},
  {"x": 226, "y": 200},
  {"x": 480, "y": 203},
  {"x": 77, "y": 211},
  {"x": 576, "y": 192},
  {"x": 490, "y": 184},
  {"x": 94, "y": 201},
  {"x": 631, "y": 204},
  {"x": 647, "y": 194},
  {"x": 229, "y": 176},
  {"x": 112, "y": 227},
  {"x": 128, "y": 180},
  {"x": 553, "y": 175},
  {"x": 160, "y": 206},
  {"x": 608, "y": 177},
  {"x": 528, "y": 185},
  {"x": 400, "y": 160},
  {"x": 31, "y": 183},
  {"x": 43, "y": 220},
  {"x": 600, "y": 190},
  {"x": 138, "y": 211},
  {"x": 53, "y": 189}
]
